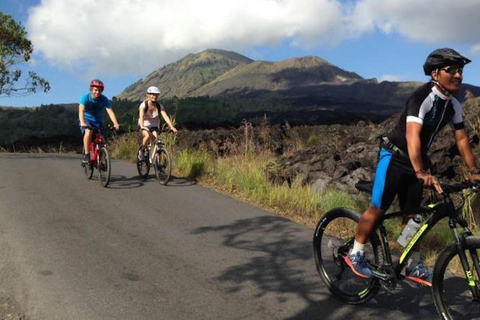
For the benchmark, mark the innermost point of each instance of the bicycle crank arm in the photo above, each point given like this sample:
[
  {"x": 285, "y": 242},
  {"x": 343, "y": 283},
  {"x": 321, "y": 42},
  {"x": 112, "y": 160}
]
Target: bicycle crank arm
[{"x": 381, "y": 275}]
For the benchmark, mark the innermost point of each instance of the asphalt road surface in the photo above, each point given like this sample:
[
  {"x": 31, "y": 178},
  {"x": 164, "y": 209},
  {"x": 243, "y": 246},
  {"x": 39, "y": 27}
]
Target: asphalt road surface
[{"x": 71, "y": 249}]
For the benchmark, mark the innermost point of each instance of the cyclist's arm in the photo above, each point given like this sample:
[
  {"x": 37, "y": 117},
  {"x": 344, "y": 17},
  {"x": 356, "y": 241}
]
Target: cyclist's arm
[
  {"x": 414, "y": 146},
  {"x": 141, "y": 115},
  {"x": 464, "y": 148},
  {"x": 167, "y": 120},
  {"x": 112, "y": 116},
  {"x": 81, "y": 115}
]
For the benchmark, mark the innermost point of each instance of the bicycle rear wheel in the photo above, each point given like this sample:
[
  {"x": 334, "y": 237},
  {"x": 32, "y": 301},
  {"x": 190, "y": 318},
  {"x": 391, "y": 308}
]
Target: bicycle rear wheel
[
  {"x": 333, "y": 239},
  {"x": 451, "y": 291},
  {"x": 103, "y": 166},
  {"x": 162, "y": 165},
  {"x": 143, "y": 166}
]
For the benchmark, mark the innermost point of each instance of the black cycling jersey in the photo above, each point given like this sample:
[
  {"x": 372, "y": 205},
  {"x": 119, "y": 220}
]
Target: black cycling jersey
[{"x": 433, "y": 110}]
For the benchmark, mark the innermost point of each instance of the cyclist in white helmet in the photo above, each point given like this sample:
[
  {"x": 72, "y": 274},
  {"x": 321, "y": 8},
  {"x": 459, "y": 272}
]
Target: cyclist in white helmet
[{"x": 148, "y": 118}]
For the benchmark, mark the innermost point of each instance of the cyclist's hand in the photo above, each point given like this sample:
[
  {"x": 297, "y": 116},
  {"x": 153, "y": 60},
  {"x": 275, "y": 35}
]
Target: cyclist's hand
[
  {"x": 83, "y": 125},
  {"x": 474, "y": 177},
  {"x": 174, "y": 129},
  {"x": 430, "y": 181},
  {"x": 116, "y": 126}
]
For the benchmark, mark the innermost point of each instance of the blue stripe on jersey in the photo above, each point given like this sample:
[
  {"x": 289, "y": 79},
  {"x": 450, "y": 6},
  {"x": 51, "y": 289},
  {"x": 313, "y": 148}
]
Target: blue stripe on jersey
[{"x": 380, "y": 177}]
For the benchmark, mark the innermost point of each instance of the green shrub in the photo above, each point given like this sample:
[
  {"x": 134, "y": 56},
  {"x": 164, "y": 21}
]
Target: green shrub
[
  {"x": 313, "y": 140},
  {"x": 191, "y": 164},
  {"x": 125, "y": 146}
]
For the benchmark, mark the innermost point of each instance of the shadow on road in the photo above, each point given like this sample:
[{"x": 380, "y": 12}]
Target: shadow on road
[
  {"x": 283, "y": 264},
  {"x": 122, "y": 182}
]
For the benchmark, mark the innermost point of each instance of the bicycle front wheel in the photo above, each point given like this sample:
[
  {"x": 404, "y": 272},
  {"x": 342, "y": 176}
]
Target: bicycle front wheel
[
  {"x": 162, "y": 165},
  {"x": 103, "y": 166},
  {"x": 143, "y": 165},
  {"x": 333, "y": 239},
  {"x": 451, "y": 289},
  {"x": 88, "y": 168}
]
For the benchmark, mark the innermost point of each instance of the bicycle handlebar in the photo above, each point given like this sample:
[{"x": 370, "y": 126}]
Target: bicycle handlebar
[
  {"x": 156, "y": 130},
  {"x": 107, "y": 128},
  {"x": 452, "y": 188}
]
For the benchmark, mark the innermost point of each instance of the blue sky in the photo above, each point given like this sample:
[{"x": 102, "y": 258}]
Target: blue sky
[{"x": 122, "y": 41}]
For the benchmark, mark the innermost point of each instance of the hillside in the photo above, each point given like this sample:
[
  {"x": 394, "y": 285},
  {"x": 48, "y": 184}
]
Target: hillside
[
  {"x": 187, "y": 75},
  {"x": 216, "y": 72},
  {"x": 273, "y": 76}
]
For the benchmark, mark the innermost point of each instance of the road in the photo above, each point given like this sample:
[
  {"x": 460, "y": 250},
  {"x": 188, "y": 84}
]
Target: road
[{"x": 137, "y": 250}]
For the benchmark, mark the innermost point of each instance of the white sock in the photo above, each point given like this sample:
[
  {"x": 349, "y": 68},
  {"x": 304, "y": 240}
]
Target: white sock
[{"x": 357, "y": 246}]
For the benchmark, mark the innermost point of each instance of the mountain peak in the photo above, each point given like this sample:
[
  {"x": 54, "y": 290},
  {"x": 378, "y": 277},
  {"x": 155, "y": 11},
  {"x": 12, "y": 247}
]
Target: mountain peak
[
  {"x": 304, "y": 62},
  {"x": 216, "y": 72}
]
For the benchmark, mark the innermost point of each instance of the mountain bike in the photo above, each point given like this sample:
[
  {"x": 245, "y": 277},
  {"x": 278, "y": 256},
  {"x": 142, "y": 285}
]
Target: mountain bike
[
  {"x": 156, "y": 155},
  {"x": 99, "y": 157},
  {"x": 456, "y": 274}
]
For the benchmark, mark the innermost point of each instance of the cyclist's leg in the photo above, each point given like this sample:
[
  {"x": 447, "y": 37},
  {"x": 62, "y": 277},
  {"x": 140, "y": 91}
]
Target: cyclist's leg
[
  {"x": 384, "y": 187},
  {"x": 88, "y": 138},
  {"x": 145, "y": 138},
  {"x": 384, "y": 190},
  {"x": 154, "y": 134},
  {"x": 410, "y": 196}
]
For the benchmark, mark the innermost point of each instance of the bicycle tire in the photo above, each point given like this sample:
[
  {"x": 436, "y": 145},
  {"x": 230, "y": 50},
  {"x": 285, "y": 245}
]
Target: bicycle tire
[
  {"x": 104, "y": 166},
  {"x": 88, "y": 169},
  {"x": 143, "y": 166},
  {"x": 450, "y": 289},
  {"x": 163, "y": 166},
  {"x": 332, "y": 240}
]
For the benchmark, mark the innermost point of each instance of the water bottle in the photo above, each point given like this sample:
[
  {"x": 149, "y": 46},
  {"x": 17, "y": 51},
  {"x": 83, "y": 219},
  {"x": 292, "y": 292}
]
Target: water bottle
[{"x": 410, "y": 229}]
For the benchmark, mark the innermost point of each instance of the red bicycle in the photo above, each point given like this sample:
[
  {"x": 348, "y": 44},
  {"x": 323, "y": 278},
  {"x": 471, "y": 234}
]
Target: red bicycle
[{"x": 99, "y": 157}]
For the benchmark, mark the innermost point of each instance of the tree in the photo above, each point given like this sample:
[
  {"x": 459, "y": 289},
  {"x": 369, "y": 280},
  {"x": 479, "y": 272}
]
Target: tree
[{"x": 16, "y": 49}]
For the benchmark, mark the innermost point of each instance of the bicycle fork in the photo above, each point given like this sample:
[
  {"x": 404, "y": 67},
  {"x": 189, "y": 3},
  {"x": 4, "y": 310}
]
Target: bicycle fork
[{"x": 460, "y": 243}]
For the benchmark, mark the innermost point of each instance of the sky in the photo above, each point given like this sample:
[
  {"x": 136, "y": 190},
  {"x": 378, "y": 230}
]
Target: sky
[{"x": 122, "y": 41}]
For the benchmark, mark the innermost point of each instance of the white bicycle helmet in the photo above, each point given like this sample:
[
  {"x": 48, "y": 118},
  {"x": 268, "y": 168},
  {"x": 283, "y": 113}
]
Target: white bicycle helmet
[{"x": 153, "y": 90}]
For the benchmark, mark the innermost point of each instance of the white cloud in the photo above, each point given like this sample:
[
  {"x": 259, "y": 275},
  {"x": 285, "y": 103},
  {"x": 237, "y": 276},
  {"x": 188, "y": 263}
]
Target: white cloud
[
  {"x": 131, "y": 35},
  {"x": 138, "y": 36},
  {"x": 431, "y": 21}
]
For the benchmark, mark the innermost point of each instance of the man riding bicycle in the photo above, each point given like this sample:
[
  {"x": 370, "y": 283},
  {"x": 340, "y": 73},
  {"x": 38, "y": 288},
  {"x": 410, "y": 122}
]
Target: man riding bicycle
[
  {"x": 149, "y": 120},
  {"x": 90, "y": 114},
  {"x": 402, "y": 160}
]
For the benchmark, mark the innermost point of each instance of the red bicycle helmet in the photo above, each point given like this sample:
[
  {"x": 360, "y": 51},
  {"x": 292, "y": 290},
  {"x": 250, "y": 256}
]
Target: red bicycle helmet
[{"x": 97, "y": 83}]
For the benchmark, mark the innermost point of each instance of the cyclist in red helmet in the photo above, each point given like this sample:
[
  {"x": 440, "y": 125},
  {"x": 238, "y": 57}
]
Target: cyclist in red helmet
[
  {"x": 90, "y": 114},
  {"x": 402, "y": 160},
  {"x": 149, "y": 120}
]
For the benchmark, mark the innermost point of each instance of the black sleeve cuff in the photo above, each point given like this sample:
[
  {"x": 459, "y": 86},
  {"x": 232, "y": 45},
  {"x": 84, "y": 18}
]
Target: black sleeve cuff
[{"x": 459, "y": 126}]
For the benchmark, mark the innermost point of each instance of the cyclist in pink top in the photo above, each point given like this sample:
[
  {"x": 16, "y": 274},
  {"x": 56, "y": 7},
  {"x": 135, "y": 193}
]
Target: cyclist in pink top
[{"x": 149, "y": 120}]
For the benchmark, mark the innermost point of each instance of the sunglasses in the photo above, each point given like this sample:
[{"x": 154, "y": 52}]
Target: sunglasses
[{"x": 453, "y": 70}]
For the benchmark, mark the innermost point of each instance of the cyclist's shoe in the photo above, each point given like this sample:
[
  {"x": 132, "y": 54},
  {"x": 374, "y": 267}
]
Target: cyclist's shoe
[
  {"x": 85, "y": 159},
  {"x": 358, "y": 264},
  {"x": 420, "y": 274}
]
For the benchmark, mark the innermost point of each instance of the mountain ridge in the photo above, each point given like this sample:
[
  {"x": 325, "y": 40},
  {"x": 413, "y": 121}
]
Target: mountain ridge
[{"x": 216, "y": 72}]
